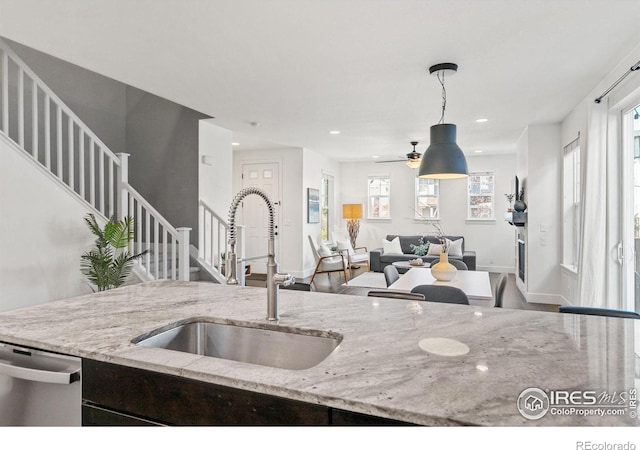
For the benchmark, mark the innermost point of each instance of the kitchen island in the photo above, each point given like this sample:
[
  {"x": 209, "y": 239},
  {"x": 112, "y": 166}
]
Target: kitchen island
[{"x": 379, "y": 368}]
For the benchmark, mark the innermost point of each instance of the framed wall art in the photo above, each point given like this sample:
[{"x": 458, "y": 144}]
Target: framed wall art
[{"x": 313, "y": 205}]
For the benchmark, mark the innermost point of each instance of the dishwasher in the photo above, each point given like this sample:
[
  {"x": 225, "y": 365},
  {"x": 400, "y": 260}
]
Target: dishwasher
[{"x": 39, "y": 388}]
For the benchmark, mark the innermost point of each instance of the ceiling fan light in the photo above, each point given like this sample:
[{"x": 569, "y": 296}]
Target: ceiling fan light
[
  {"x": 443, "y": 159},
  {"x": 414, "y": 163}
]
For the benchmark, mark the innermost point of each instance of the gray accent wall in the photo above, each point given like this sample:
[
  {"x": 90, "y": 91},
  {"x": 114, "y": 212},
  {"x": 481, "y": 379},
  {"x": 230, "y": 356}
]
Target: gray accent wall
[
  {"x": 98, "y": 101},
  {"x": 162, "y": 138}
]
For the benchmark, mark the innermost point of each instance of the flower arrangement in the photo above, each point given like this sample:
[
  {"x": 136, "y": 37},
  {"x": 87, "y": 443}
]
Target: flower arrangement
[
  {"x": 441, "y": 236},
  {"x": 439, "y": 233},
  {"x": 510, "y": 200},
  {"x": 420, "y": 249}
]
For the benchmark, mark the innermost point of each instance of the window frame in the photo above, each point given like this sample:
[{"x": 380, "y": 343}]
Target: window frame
[
  {"x": 571, "y": 205},
  {"x": 326, "y": 217},
  {"x": 417, "y": 215},
  {"x": 371, "y": 178},
  {"x": 488, "y": 173}
]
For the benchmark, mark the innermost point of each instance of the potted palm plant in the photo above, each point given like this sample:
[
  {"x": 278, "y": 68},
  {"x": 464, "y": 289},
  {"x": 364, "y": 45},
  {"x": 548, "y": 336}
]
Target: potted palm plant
[{"x": 109, "y": 264}]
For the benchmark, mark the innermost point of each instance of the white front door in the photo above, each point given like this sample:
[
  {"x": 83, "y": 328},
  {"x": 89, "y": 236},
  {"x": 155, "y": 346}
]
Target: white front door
[{"x": 255, "y": 215}]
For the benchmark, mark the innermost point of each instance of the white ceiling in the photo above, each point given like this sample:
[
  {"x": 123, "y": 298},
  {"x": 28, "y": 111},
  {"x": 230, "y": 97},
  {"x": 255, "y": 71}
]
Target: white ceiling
[{"x": 302, "y": 68}]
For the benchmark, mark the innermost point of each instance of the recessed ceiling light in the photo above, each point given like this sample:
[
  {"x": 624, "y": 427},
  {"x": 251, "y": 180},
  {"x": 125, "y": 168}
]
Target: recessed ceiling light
[
  {"x": 235, "y": 143},
  {"x": 375, "y": 157},
  {"x": 482, "y": 120},
  {"x": 482, "y": 368},
  {"x": 334, "y": 132},
  {"x": 477, "y": 151}
]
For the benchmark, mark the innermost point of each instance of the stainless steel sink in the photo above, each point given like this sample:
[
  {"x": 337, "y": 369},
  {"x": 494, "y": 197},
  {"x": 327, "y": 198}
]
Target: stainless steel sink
[{"x": 299, "y": 349}]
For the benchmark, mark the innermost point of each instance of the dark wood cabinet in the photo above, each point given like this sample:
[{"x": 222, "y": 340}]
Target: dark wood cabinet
[{"x": 119, "y": 395}]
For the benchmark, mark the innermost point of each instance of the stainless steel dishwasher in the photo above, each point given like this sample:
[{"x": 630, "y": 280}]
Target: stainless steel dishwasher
[{"x": 39, "y": 388}]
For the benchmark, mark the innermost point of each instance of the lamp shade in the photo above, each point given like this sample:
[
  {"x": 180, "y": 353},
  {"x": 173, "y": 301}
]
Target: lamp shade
[
  {"x": 414, "y": 163},
  {"x": 352, "y": 211},
  {"x": 443, "y": 159}
]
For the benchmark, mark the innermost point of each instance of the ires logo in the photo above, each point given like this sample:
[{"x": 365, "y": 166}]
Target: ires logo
[
  {"x": 587, "y": 398},
  {"x": 534, "y": 403}
]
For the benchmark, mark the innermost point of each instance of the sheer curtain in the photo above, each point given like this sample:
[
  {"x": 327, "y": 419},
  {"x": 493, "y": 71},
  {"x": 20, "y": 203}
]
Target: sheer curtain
[{"x": 592, "y": 280}]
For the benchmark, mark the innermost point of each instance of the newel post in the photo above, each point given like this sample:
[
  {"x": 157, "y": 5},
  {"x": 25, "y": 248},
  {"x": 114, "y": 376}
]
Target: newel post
[
  {"x": 183, "y": 253},
  {"x": 122, "y": 179}
]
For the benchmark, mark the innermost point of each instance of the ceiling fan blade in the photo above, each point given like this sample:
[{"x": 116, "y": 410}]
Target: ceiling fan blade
[{"x": 392, "y": 161}]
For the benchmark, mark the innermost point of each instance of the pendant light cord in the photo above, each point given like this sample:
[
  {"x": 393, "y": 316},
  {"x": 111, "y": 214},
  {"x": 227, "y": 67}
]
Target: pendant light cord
[{"x": 440, "y": 76}]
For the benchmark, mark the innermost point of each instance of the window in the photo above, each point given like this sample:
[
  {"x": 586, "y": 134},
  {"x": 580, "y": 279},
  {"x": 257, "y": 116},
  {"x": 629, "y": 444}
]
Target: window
[
  {"x": 326, "y": 199},
  {"x": 571, "y": 204},
  {"x": 481, "y": 196},
  {"x": 379, "y": 197},
  {"x": 427, "y": 193}
]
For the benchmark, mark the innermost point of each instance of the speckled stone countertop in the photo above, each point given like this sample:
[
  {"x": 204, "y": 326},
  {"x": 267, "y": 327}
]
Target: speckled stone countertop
[{"x": 378, "y": 369}]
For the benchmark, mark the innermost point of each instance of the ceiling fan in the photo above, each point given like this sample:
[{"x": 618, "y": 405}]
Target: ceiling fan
[{"x": 412, "y": 159}]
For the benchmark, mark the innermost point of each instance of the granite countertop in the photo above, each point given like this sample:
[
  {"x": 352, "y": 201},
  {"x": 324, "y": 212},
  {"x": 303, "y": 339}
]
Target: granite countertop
[{"x": 378, "y": 369}]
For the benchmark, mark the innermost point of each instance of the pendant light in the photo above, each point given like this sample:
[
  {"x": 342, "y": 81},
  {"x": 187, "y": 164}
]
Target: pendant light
[
  {"x": 413, "y": 157},
  {"x": 443, "y": 159}
]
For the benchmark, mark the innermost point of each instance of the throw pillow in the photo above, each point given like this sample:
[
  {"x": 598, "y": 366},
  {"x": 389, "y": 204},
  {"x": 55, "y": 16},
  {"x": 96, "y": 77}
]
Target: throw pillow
[
  {"x": 391, "y": 246},
  {"x": 434, "y": 249},
  {"x": 345, "y": 245},
  {"x": 323, "y": 250},
  {"x": 455, "y": 247}
]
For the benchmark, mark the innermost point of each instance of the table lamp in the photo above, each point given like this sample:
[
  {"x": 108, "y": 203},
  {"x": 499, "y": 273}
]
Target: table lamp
[{"x": 353, "y": 213}]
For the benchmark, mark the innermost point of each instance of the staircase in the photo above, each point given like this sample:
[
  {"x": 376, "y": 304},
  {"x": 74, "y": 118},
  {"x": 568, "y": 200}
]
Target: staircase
[{"x": 38, "y": 123}]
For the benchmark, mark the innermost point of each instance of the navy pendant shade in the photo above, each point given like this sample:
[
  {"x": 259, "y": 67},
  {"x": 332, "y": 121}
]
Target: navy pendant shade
[{"x": 443, "y": 159}]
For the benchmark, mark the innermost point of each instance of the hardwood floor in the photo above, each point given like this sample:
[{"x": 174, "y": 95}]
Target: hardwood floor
[{"x": 512, "y": 297}]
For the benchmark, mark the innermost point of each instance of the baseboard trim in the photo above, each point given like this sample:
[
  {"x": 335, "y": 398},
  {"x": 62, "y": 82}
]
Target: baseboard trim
[
  {"x": 496, "y": 269},
  {"x": 546, "y": 299}
]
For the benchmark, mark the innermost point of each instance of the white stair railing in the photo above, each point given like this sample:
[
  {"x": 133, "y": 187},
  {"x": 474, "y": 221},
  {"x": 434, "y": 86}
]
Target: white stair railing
[
  {"x": 212, "y": 239},
  {"x": 168, "y": 255},
  {"x": 39, "y": 122}
]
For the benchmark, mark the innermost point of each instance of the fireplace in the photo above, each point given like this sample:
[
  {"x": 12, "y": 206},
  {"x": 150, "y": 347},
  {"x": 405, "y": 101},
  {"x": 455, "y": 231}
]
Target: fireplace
[{"x": 521, "y": 259}]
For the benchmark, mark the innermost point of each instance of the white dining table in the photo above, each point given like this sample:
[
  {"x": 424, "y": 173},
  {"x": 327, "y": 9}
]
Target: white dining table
[{"x": 476, "y": 284}]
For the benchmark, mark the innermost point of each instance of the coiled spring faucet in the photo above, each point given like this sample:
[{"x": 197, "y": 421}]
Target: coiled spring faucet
[{"x": 274, "y": 279}]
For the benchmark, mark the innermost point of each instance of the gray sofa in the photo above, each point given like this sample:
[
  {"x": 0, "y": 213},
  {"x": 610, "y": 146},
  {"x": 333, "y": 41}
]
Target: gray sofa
[{"x": 378, "y": 259}]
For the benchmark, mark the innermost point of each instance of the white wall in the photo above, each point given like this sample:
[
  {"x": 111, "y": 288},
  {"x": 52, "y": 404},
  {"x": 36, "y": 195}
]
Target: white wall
[
  {"x": 299, "y": 169},
  {"x": 492, "y": 240},
  {"x": 539, "y": 153},
  {"x": 314, "y": 166},
  {"x": 290, "y": 213},
  {"x": 215, "y": 185},
  {"x": 42, "y": 235}
]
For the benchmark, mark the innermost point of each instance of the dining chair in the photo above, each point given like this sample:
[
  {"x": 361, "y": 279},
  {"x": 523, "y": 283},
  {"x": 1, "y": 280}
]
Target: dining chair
[
  {"x": 460, "y": 265},
  {"x": 442, "y": 294},
  {"x": 395, "y": 294},
  {"x": 598, "y": 311},
  {"x": 498, "y": 293},
  {"x": 391, "y": 274}
]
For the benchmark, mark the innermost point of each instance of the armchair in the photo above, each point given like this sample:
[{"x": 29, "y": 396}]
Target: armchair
[
  {"x": 354, "y": 258},
  {"x": 327, "y": 262}
]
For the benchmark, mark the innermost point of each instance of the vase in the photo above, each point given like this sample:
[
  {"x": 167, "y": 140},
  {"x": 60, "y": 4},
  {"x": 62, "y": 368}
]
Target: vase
[
  {"x": 519, "y": 205},
  {"x": 443, "y": 270}
]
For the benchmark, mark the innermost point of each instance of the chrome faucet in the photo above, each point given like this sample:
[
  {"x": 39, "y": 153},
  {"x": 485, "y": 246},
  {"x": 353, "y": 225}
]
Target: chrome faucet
[{"x": 274, "y": 279}]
